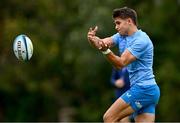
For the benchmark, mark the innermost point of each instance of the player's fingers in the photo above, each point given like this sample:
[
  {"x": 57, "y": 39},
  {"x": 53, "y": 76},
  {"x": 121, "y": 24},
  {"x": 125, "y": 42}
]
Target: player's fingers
[
  {"x": 91, "y": 33},
  {"x": 105, "y": 44},
  {"x": 101, "y": 45},
  {"x": 90, "y": 29},
  {"x": 96, "y": 28},
  {"x": 89, "y": 37}
]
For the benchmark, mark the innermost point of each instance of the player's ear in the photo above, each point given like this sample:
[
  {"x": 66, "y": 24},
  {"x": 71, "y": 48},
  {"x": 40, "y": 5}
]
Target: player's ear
[{"x": 129, "y": 21}]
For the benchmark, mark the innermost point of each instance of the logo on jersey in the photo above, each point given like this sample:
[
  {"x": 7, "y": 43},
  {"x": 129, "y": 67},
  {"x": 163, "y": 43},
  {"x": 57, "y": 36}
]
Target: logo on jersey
[
  {"x": 138, "y": 104},
  {"x": 128, "y": 95}
]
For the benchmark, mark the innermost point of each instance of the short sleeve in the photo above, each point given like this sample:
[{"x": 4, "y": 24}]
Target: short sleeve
[
  {"x": 138, "y": 48},
  {"x": 116, "y": 38}
]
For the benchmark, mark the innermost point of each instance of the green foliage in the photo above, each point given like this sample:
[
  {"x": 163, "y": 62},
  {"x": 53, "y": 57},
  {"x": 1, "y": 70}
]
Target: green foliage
[{"x": 66, "y": 79}]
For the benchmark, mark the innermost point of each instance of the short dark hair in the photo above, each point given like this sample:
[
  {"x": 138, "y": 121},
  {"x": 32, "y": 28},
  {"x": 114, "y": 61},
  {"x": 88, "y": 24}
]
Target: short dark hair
[{"x": 125, "y": 13}]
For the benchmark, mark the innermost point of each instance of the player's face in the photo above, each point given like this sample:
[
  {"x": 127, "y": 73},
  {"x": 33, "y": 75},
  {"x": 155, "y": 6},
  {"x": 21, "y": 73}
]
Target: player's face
[{"x": 121, "y": 25}]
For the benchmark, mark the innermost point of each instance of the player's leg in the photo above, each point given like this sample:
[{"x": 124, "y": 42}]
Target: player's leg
[
  {"x": 121, "y": 107},
  {"x": 135, "y": 99},
  {"x": 125, "y": 120},
  {"x": 128, "y": 119},
  {"x": 145, "y": 117},
  {"x": 118, "y": 110},
  {"x": 146, "y": 114}
]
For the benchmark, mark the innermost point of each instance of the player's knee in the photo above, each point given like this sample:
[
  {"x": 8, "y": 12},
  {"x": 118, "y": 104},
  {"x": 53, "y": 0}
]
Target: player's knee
[
  {"x": 146, "y": 117},
  {"x": 108, "y": 117},
  {"x": 105, "y": 117},
  {"x": 125, "y": 120}
]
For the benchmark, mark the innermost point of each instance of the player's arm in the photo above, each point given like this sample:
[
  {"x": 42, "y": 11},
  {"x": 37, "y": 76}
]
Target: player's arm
[
  {"x": 120, "y": 61},
  {"x": 103, "y": 44}
]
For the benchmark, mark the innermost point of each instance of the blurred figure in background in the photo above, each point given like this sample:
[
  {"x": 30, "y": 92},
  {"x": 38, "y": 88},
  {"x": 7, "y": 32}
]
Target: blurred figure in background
[{"x": 120, "y": 81}]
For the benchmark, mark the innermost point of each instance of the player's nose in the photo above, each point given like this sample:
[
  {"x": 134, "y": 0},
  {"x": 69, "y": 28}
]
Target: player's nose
[{"x": 116, "y": 27}]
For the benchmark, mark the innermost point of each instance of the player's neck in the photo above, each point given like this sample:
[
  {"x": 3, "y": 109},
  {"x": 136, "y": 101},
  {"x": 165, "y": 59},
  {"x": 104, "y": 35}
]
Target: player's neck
[{"x": 132, "y": 30}]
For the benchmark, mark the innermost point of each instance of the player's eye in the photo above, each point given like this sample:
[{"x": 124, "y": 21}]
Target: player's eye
[{"x": 117, "y": 23}]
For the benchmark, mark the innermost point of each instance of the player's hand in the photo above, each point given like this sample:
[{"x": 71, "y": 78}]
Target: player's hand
[
  {"x": 119, "y": 83},
  {"x": 96, "y": 41},
  {"x": 92, "y": 33},
  {"x": 92, "y": 38},
  {"x": 103, "y": 45}
]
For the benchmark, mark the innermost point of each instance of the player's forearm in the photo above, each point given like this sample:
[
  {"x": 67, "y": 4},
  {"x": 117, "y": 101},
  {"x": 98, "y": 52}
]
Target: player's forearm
[{"x": 116, "y": 61}]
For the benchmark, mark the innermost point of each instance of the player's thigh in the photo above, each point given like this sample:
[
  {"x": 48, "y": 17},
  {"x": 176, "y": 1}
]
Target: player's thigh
[
  {"x": 145, "y": 117},
  {"x": 141, "y": 96},
  {"x": 146, "y": 113},
  {"x": 125, "y": 120},
  {"x": 118, "y": 110}
]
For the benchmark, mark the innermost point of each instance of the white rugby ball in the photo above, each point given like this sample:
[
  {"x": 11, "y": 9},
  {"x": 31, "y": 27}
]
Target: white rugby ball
[{"x": 23, "y": 47}]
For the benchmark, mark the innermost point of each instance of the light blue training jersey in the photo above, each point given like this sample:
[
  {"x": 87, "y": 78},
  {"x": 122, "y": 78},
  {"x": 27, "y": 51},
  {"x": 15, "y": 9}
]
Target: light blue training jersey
[{"x": 140, "y": 46}]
